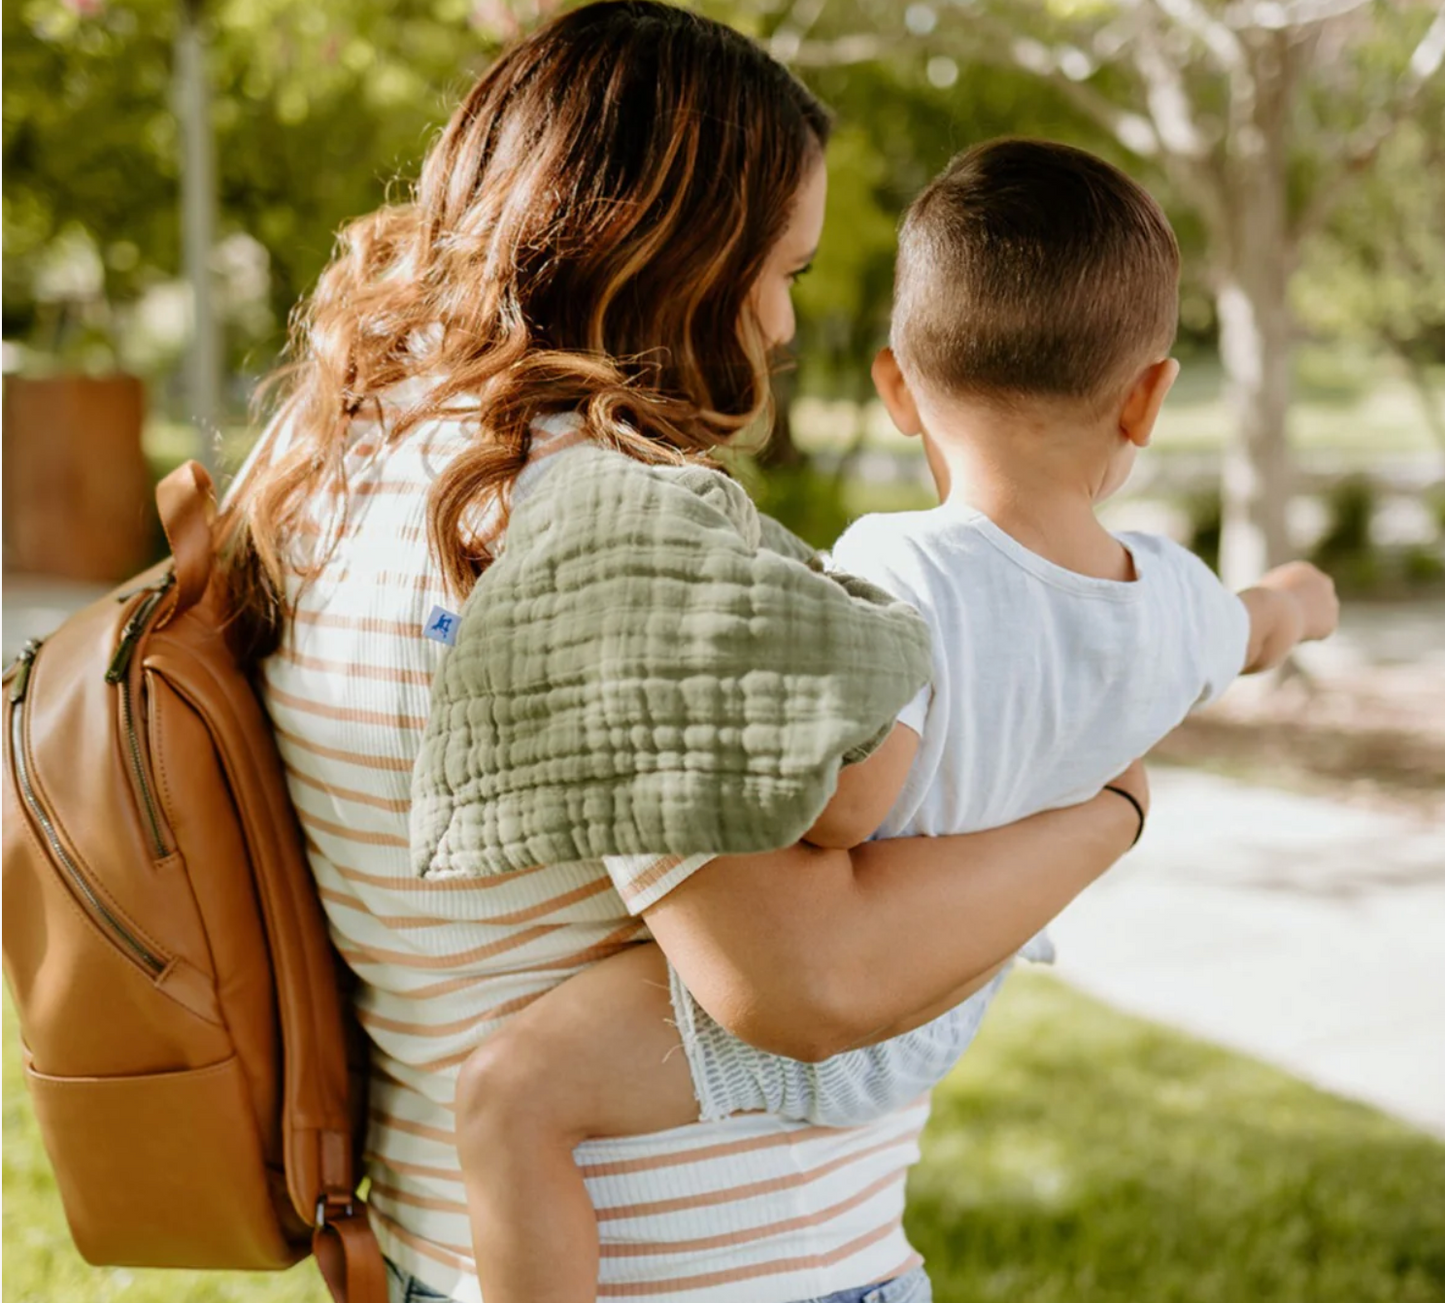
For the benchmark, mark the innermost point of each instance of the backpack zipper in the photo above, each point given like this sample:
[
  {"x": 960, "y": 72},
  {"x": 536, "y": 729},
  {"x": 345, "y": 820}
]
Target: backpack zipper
[
  {"x": 116, "y": 674},
  {"x": 135, "y": 626},
  {"x": 98, "y": 908}
]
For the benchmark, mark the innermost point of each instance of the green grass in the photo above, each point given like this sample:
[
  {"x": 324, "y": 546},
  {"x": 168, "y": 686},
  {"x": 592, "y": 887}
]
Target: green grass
[
  {"x": 1076, "y": 1156},
  {"x": 1081, "y": 1156}
]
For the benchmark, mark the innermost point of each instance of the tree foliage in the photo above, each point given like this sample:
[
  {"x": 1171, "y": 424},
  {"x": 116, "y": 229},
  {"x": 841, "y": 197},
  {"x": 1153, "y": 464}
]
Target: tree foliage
[
  {"x": 317, "y": 109},
  {"x": 1376, "y": 270}
]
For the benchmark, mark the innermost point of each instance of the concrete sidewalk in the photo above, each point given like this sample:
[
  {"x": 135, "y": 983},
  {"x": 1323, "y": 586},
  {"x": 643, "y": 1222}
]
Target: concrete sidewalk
[
  {"x": 1308, "y": 934},
  {"x": 34, "y": 605}
]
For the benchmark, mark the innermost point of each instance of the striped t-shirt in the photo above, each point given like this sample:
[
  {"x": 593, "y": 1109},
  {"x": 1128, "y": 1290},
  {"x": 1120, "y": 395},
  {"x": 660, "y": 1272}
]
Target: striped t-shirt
[{"x": 753, "y": 1209}]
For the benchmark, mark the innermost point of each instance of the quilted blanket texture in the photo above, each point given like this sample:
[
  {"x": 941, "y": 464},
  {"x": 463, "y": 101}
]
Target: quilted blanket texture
[{"x": 651, "y": 666}]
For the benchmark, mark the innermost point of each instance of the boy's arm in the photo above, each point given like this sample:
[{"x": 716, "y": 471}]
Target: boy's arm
[
  {"x": 866, "y": 792},
  {"x": 872, "y": 549},
  {"x": 1292, "y": 604}
]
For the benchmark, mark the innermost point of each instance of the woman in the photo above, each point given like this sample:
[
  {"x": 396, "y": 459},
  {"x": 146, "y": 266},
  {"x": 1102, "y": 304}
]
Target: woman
[{"x": 600, "y": 250}]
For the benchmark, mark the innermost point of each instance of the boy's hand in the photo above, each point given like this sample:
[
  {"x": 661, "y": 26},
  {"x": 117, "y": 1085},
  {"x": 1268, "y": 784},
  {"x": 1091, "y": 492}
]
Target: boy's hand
[{"x": 1313, "y": 591}]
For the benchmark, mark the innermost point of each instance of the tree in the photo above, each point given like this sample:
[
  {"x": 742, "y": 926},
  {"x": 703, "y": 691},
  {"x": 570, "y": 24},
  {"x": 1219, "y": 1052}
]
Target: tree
[
  {"x": 1260, "y": 115},
  {"x": 316, "y": 109},
  {"x": 1376, "y": 270},
  {"x": 88, "y": 145}
]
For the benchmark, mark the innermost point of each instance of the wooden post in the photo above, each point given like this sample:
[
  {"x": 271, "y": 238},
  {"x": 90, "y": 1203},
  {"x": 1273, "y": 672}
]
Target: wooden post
[{"x": 78, "y": 498}]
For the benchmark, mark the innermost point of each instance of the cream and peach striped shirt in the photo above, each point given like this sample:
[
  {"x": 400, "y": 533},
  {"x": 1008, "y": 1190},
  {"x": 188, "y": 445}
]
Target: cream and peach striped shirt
[{"x": 752, "y": 1209}]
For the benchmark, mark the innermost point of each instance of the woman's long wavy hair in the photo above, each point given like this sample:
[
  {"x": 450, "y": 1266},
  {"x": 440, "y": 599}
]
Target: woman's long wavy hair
[{"x": 584, "y": 238}]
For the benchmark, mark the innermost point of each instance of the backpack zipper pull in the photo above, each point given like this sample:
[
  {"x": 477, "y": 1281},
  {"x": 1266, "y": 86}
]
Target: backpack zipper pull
[
  {"x": 134, "y": 627},
  {"x": 23, "y": 662}
]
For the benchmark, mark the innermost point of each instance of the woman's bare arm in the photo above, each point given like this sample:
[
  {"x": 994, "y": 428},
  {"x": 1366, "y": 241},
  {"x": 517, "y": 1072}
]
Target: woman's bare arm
[
  {"x": 807, "y": 952},
  {"x": 918, "y": 1017}
]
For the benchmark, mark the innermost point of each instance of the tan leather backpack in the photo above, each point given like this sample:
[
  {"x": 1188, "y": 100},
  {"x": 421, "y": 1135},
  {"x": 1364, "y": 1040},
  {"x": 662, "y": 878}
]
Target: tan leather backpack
[{"x": 185, "y": 1036}]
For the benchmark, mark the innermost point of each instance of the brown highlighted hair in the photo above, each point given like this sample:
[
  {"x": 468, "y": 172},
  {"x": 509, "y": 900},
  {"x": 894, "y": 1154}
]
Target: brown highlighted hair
[
  {"x": 1028, "y": 269},
  {"x": 584, "y": 238}
]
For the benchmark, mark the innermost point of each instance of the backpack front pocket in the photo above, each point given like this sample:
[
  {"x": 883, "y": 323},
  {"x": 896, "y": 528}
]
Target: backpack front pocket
[{"x": 161, "y": 1169}]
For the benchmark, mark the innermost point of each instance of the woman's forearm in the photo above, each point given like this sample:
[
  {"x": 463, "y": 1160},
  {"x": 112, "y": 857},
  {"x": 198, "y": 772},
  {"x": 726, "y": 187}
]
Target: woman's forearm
[
  {"x": 930, "y": 919},
  {"x": 807, "y": 952},
  {"x": 918, "y": 1017}
]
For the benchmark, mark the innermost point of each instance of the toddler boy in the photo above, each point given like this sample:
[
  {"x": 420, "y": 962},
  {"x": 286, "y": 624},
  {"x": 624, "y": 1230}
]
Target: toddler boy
[{"x": 1035, "y": 307}]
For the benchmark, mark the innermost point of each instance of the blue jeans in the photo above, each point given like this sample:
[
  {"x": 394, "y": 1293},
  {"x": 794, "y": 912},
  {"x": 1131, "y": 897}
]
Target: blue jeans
[{"x": 912, "y": 1287}]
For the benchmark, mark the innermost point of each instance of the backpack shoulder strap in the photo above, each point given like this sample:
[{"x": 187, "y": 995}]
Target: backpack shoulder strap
[{"x": 318, "y": 1146}]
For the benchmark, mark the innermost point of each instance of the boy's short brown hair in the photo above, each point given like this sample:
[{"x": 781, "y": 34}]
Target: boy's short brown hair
[{"x": 1029, "y": 269}]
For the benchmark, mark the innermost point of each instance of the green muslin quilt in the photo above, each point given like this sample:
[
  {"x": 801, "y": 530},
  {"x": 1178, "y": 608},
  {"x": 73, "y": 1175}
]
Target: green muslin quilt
[{"x": 650, "y": 666}]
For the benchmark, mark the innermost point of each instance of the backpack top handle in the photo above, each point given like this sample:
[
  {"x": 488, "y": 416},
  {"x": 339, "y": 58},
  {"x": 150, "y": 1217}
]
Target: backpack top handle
[{"x": 186, "y": 501}]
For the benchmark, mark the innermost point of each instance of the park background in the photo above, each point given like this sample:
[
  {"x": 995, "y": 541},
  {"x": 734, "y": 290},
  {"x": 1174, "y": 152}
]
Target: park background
[{"x": 174, "y": 174}]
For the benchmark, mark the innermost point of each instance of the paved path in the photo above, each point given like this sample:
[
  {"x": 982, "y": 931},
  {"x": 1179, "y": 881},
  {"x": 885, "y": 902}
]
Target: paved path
[
  {"x": 1308, "y": 934},
  {"x": 34, "y": 606}
]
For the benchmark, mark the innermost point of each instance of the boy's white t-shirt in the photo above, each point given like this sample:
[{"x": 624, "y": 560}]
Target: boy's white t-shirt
[{"x": 1047, "y": 683}]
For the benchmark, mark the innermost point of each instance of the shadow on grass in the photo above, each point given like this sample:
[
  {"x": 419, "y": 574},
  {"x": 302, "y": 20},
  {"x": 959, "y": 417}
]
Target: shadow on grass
[{"x": 1079, "y": 1155}]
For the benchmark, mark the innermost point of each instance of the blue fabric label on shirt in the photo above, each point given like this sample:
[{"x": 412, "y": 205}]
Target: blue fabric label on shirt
[{"x": 441, "y": 625}]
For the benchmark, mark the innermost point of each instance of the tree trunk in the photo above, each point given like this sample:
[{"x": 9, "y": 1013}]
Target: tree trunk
[
  {"x": 1254, "y": 345},
  {"x": 198, "y": 224},
  {"x": 1255, "y": 325}
]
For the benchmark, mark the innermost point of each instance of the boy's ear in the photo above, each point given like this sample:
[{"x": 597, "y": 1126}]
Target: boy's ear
[
  {"x": 1141, "y": 406},
  {"x": 893, "y": 389}
]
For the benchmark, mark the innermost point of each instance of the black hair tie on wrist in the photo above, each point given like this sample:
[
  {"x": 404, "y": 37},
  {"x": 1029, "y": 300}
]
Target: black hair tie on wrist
[{"x": 1138, "y": 809}]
